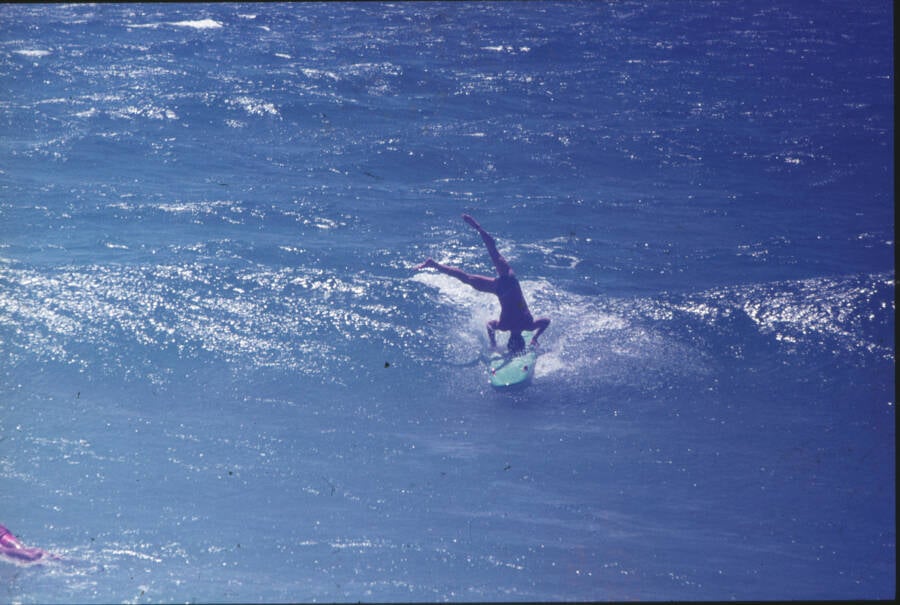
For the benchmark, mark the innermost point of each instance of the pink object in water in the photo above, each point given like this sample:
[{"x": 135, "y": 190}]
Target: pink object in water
[{"x": 11, "y": 548}]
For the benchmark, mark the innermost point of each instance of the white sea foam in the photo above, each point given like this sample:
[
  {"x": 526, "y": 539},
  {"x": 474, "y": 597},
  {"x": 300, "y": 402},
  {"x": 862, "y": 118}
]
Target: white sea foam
[
  {"x": 319, "y": 73},
  {"x": 130, "y": 112},
  {"x": 254, "y": 107},
  {"x": 198, "y": 24},
  {"x": 508, "y": 48},
  {"x": 586, "y": 335},
  {"x": 192, "y": 24},
  {"x": 205, "y": 207},
  {"x": 34, "y": 53}
]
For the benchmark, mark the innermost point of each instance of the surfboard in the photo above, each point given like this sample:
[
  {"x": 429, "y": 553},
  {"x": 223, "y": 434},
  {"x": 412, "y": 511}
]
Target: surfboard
[{"x": 507, "y": 371}]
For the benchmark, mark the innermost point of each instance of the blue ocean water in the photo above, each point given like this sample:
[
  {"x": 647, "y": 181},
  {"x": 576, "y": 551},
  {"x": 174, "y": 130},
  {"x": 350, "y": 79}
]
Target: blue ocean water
[{"x": 221, "y": 378}]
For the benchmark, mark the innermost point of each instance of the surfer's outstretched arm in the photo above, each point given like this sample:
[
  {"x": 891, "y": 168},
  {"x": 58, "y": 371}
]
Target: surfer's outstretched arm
[
  {"x": 479, "y": 282},
  {"x": 500, "y": 263}
]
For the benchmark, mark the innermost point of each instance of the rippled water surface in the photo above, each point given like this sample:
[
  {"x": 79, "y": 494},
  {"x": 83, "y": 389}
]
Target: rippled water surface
[{"x": 221, "y": 378}]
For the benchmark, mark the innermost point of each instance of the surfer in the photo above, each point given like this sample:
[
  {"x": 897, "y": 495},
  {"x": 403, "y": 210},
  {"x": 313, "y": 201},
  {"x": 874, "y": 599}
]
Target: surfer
[
  {"x": 12, "y": 548},
  {"x": 514, "y": 314}
]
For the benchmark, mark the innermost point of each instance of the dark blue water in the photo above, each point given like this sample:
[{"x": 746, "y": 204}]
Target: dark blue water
[{"x": 222, "y": 380}]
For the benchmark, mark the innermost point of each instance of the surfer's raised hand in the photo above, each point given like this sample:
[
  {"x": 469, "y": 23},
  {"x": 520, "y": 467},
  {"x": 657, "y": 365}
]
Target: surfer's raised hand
[{"x": 429, "y": 263}]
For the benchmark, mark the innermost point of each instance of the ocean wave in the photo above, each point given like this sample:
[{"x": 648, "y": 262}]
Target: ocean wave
[
  {"x": 643, "y": 340},
  {"x": 308, "y": 319},
  {"x": 852, "y": 314},
  {"x": 111, "y": 318}
]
